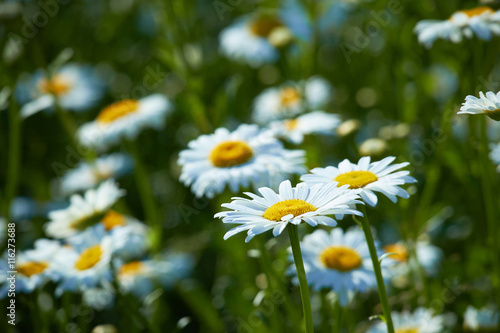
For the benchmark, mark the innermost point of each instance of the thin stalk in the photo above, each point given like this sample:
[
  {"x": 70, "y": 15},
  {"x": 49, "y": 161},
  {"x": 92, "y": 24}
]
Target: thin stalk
[
  {"x": 146, "y": 193},
  {"x": 301, "y": 274},
  {"x": 337, "y": 317},
  {"x": 382, "y": 293},
  {"x": 489, "y": 196},
  {"x": 14, "y": 156}
]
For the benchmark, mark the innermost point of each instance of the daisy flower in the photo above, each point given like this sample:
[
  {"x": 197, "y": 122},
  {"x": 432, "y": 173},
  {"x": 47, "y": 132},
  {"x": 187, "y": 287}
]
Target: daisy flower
[
  {"x": 88, "y": 175},
  {"x": 141, "y": 277},
  {"x": 488, "y": 105},
  {"x": 34, "y": 267},
  {"x": 317, "y": 122},
  {"x": 240, "y": 158},
  {"x": 420, "y": 321},
  {"x": 429, "y": 258},
  {"x": 495, "y": 155},
  {"x": 290, "y": 99},
  {"x": 85, "y": 263},
  {"x": 254, "y": 39},
  {"x": 365, "y": 178},
  {"x": 125, "y": 120},
  {"x": 310, "y": 204},
  {"x": 338, "y": 261},
  {"x": 74, "y": 87},
  {"x": 484, "y": 22},
  {"x": 83, "y": 210},
  {"x": 482, "y": 320},
  {"x": 129, "y": 236}
]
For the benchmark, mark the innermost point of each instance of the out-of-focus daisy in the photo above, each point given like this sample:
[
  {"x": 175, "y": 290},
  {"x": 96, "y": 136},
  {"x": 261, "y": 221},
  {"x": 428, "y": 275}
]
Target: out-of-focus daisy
[
  {"x": 245, "y": 156},
  {"x": 141, "y": 277},
  {"x": 254, "y": 39},
  {"x": 365, "y": 178},
  {"x": 23, "y": 208},
  {"x": 373, "y": 147},
  {"x": 125, "y": 119},
  {"x": 34, "y": 267},
  {"x": 488, "y": 105},
  {"x": 86, "y": 261},
  {"x": 428, "y": 256},
  {"x": 83, "y": 211},
  {"x": 348, "y": 127},
  {"x": 74, "y": 87},
  {"x": 100, "y": 297},
  {"x": 310, "y": 204},
  {"x": 420, "y": 321},
  {"x": 338, "y": 261},
  {"x": 291, "y": 99},
  {"x": 481, "y": 320},
  {"x": 87, "y": 175},
  {"x": 129, "y": 236},
  {"x": 317, "y": 122},
  {"x": 495, "y": 155},
  {"x": 484, "y": 22}
]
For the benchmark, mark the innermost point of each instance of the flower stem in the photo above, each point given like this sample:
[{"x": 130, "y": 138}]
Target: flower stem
[
  {"x": 301, "y": 273},
  {"x": 488, "y": 197},
  {"x": 382, "y": 293},
  {"x": 337, "y": 316},
  {"x": 145, "y": 193}
]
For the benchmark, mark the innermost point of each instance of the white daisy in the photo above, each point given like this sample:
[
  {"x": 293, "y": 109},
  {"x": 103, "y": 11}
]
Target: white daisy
[
  {"x": 87, "y": 175},
  {"x": 338, "y": 261},
  {"x": 250, "y": 40},
  {"x": 484, "y": 22},
  {"x": 129, "y": 236},
  {"x": 85, "y": 263},
  {"x": 481, "y": 320},
  {"x": 429, "y": 258},
  {"x": 74, "y": 87},
  {"x": 365, "y": 178},
  {"x": 291, "y": 99},
  {"x": 274, "y": 211},
  {"x": 125, "y": 119},
  {"x": 141, "y": 277},
  {"x": 246, "y": 156},
  {"x": 83, "y": 211},
  {"x": 488, "y": 105},
  {"x": 34, "y": 267},
  {"x": 495, "y": 155},
  {"x": 317, "y": 122},
  {"x": 420, "y": 321}
]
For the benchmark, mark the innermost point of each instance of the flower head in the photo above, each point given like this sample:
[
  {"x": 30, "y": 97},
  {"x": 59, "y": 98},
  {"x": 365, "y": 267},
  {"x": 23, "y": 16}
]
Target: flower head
[
  {"x": 420, "y": 321},
  {"x": 245, "y": 156},
  {"x": 488, "y": 105},
  {"x": 365, "y": 178},
  {"x": 481, "y": 320},
  {"x": 310, "y": 204}
]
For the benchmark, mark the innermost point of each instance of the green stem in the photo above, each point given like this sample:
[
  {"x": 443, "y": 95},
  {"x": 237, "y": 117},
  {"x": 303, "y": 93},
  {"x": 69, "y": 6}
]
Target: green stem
[
  {"x": 146, "y": 194},
  {"x": 301, "y": 274},
  {"x": 489, "y": 196},
  {"x": 14, "y": 156},
  {"x": 337, "y": 317},
  {"x": 382, "y": 293}
]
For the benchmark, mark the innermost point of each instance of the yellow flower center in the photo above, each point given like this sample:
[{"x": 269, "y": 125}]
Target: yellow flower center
[
  {"x": 340, "y": 258},
  {"x": 230, "y": 153},
  {"x": 401, "y": 254},
  {"x": 89, "y": 258},
  {"x": 407, "y": 330},
  {"x": 56, "y": 86},
  {"x": 131, "y": 268},
  {"x": 30, "y": 268},
  {"x": 356, "y": 179},
  {"x": 117, "y": 110},
  {"x": 113, "y": 219},
  {"x": 477, "y": 11},
  {"x": 295, "y": 207},
  {"x": 291, "y": 124},
  {"x": 264, "y": 26},
  {"x": 289, "y": 96}
]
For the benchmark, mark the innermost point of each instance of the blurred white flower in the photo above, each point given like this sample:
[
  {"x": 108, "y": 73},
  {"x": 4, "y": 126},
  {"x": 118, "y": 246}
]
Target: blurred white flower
[
  {"x": 429, "y": 258},
  {"x": 74, "y": 87},
  {"x": 484, "y": 22},
  {"x": 373, "y": 147},
  {"x": 125, "y": 120},
  {"x": 291, "y": 99},
  {"x": 244, "y": 157},
  {"x": 420, "y": 321},
  {"x": 488, "y": 105},
  {"x": 294, "y": 130},
  {"x": 481, "y": 320}
]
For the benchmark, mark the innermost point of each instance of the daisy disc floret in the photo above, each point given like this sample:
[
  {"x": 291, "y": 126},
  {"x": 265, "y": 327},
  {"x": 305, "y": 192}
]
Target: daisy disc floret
[
  {"x": 310, "y": 204},
  {"x": 488, "y": 105},
  {"x": 365, "y": 178}
]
